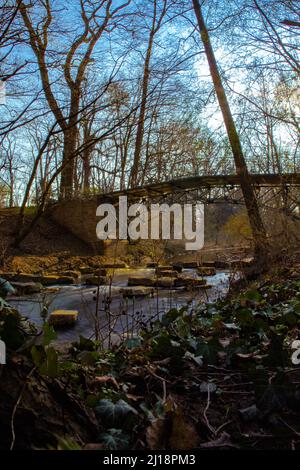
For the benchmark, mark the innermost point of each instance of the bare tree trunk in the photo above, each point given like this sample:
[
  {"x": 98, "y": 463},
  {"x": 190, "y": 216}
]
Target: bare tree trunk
[
  {"x": 256, "y": 223},
  {"x": 156, "y": 24},
  {"x": 89, "y": 35},
  {"x": 67, "y": 175},
  {"x": 86, "y": 171},
  {"x": 141, "y": 119}
]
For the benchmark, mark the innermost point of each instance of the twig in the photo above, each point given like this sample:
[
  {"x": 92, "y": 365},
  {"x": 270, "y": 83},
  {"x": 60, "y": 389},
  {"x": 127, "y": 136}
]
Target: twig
[
  {"x": 212, "y": 430},
  {"x": 16, "y": 407},
  {"x": 223, "y": 426},
  {"x": 289, "y": 427}
]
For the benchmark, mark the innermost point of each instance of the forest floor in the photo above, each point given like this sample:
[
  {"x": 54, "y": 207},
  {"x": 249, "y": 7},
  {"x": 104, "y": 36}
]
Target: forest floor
[{"x": 226, "y": 376}]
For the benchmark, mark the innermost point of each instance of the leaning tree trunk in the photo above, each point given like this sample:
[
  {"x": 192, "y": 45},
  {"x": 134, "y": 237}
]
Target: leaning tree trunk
[
  {"x": 256, "y": 223},
  {"x": 142, "y": 115}
]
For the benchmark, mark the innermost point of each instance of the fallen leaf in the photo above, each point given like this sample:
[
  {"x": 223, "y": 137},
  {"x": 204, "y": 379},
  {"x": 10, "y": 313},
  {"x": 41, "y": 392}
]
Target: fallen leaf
[
  {"x": 104, "y": 379},
  {"x": 184, "y": 435},
  {"x": 156, "y": 435},
  {"x": 91, "y": 446},
  {"x": 173, "y": 432}
]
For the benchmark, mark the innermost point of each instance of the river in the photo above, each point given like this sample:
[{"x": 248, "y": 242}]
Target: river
[{"x": 115, "y": 313}]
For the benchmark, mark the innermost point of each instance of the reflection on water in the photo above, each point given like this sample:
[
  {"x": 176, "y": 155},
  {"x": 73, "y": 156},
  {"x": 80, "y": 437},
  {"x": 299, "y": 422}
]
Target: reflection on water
[{"x": 126, "y": 315}]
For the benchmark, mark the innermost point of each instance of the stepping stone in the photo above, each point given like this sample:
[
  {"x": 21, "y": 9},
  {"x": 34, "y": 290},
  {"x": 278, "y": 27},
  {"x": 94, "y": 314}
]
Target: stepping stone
[
  {"x": 151, "y": 265},
  {"x": 96, "y": 280},
  {"x": 164, "y": 268},
  {"x": 189, "y": 282},
  {"x": 242, "y": 263},
  {"x": 52, "y": 279},
  {"x": 61, "y": 318},
  {"x": 86, "y": 269},
  {"x": 166, "y": 272},
  {"x": 177, "y": 267},
  {"x": 138, "y": 291},
  {"x": 206, "y": 271},
  {"x": 208, "y": 264},
  {"x": 75, "y": 274},
  {"x": 165, "y": 282},
  {"x": 141, "y": 281},
  {"x": 115, "y": 265},
  {"x": 21, "y": 277},
  {"x": 27, "y": 288},
  {"x": 191, "y": 265},
  {"x": 221, "y": 264}
]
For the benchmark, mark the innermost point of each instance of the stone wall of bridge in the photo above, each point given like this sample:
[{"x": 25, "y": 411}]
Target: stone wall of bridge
[{"x": 79, "y": 217}]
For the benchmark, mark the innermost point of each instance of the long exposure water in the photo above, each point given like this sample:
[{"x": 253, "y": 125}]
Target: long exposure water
[{"x": 125, "y": 314}]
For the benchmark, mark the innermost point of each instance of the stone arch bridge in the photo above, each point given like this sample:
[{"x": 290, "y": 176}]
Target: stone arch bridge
[{"x": 78, "y": 215}]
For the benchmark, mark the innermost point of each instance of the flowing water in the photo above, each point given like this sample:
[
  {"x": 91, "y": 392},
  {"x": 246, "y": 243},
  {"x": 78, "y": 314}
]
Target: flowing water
[{"x": 115, "y": 313}]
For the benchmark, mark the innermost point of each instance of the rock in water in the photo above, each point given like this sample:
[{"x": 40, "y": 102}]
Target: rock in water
[
  {"x": 141, "y": 281},
  {"x": 165, "y": 282},
  {"x": 190, "y": 264},
  {"x": 52, "y": 280},
  {"x": 138, "y": 291},
  {"x": 96, "y": 280},
  {"x": 166, "y": 272},
  {"x": 27, "y": 288},
  {"x": 177, "y": 267},
  {"x": 204, "y": 271},
  {"x": 62, "y": 318}
]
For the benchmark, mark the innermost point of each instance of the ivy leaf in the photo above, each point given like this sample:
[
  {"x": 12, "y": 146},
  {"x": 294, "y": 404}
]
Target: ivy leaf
[
  {"x": 52, "y": 363},
  {"x": 170, "y": 316},
  {"x": 197, "y": 359},
  {"x": 49, "y": 334},
  {"x": 46, "y": 360},
  {"x": 206, "y": 387},
  {"x": 133, "y": 343},
  {"x": 253, "y": 296},
  {"x": 115, "y": 439},
  {"x": 114, "y": 413},
  {"x": 38, "y": 355},
  {"x": 209, "y": 350},
  {"x": 245, "y": 317}
]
